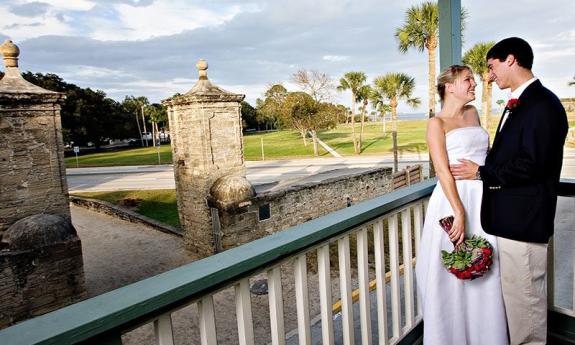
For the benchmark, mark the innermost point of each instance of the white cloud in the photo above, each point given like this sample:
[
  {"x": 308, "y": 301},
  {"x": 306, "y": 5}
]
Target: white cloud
[
  {"x": 19, "y": 28},
  {"x": 161, "y": 18},
  {"x": 69, "y": 5},
  {"x": 83, "y": 71},
  {"x": 335, "y": 58}
]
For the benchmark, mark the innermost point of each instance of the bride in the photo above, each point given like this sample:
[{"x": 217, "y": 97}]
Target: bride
[{"x": 457, "y": 311}]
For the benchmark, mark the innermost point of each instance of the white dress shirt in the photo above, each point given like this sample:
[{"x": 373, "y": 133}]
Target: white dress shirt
[{"x": 515, "y": 94}]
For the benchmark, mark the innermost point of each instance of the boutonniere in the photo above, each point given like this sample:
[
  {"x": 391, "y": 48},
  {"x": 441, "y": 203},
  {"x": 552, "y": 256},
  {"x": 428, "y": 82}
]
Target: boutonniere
[{"x": 512, "y": 104}]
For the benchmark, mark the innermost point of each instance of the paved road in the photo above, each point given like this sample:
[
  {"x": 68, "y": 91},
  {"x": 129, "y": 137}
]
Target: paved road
[{"x": 258, "y": 172}]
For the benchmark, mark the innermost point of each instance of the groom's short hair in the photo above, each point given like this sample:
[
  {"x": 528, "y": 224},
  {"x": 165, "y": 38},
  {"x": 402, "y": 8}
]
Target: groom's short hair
[{"x": 515, "y": 46}]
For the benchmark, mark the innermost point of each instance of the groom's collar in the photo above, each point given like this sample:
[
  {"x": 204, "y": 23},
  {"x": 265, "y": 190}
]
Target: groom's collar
[{"x": 518, "y": 91}]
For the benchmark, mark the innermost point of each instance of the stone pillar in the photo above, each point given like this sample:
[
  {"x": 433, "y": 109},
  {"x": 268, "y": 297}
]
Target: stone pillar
[
  {"x": 32, "y": 171},
  {"x": 206, "y": 130},
  {"x": 41, "y": 266}
]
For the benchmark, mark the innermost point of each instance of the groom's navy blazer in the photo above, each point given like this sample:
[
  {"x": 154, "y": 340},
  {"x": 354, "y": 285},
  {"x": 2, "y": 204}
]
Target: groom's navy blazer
[{"x": 522, "y": 169}]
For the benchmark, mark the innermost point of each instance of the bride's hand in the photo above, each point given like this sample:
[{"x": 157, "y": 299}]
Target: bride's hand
[{"x": 457, "y": 232}]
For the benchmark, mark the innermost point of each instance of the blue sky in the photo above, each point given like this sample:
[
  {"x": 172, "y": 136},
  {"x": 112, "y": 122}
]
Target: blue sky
[{"x": 128, "y": 47}]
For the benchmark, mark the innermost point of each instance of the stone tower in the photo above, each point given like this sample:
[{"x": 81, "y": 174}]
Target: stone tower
[
  {"x": 41, "y": 267},
  {"x": 206, "y": 131},
  {"x": 32, "y": 171}
]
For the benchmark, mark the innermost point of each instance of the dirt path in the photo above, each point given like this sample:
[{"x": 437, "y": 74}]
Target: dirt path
[{"x": 117, "y": 253}]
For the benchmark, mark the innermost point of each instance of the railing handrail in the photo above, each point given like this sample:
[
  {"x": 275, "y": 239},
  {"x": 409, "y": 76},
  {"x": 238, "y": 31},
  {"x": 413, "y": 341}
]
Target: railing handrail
[{"x": 142, "y": 301}]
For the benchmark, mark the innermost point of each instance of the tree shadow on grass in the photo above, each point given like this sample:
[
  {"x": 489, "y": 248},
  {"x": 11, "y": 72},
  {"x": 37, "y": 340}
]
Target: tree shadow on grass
[
  {"x": 367, "y": 143},
  {"x": 412, "y": 148},
  {"x": 331, "y": 136}
]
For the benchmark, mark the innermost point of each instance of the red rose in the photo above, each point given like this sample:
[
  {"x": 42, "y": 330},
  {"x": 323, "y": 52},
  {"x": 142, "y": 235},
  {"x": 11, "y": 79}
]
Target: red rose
[
  {"x": 512, "y": 103},
  {"x": 487, "y": 251}
]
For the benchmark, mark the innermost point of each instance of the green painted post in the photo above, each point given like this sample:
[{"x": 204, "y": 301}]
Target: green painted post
[{"x": 449, "y": 33}]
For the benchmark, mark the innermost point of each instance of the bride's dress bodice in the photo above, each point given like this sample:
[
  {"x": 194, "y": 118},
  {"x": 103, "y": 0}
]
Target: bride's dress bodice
[{"x": 467, "y": 142}]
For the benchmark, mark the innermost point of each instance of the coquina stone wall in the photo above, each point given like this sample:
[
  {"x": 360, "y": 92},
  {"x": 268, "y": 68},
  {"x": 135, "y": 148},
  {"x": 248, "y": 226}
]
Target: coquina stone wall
[
  {"x": 41, "y": 267},
  {"x": 301, "y": 203},
  {"x": 205, "y": 125},
  {"x": 32, "y": 171}
]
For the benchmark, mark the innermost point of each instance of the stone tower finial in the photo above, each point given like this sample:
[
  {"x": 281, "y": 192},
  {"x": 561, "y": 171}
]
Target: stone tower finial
[
  {"x": 202, "y": 67},
  {"x": 10, "y": 52}
]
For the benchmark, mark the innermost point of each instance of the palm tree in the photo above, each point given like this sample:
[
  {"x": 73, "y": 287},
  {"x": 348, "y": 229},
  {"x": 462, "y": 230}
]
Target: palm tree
[
  {"x": 476, "y": 59},
  {"x": 157, "y": 113},
  {"x": 421, "y": 31},
  {"x": 379, "y": 103},
  {"x": 135, "y": 105},
  {"x": 363, "y": 95},
  {"x": 395, "y": 87},
  {"x": 352, "y": 81}
]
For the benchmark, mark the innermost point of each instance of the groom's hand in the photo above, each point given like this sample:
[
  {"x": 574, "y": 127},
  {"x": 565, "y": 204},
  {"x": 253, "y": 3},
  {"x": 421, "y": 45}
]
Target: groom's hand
[{"x": 467, "y": 170}]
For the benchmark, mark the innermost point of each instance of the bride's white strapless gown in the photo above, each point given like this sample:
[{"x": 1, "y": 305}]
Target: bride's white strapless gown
[{"x": 459, "y": 312}]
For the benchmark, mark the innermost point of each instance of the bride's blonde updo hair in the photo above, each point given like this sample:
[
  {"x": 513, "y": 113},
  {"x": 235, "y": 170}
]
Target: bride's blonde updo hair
[{"x": 449, "y": 75}]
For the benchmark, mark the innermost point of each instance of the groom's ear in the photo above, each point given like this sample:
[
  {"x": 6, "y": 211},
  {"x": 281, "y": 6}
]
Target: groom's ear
[{"x": 510, "y": 60}]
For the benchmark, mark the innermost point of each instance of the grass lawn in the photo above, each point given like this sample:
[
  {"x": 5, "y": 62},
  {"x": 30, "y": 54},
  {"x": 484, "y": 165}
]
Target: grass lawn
[
  {"x": 410, "y": 138},
  {"x": 138, "y": 156},
  {"x": 278, "y": 145},
  {"x": 288, "y": 144},
  {"x": 157, "y": 204}
]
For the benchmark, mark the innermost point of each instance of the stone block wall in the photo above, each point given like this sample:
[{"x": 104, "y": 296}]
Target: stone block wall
[
  {"x": 205, "y": 125},
  {"x": 34, "y": 282},
  {"x": 41, "y": 266},
  {"x": 206, "y": 145},
  {"x": 301, "y": 203},
  {"x": 32, "y": 171}
]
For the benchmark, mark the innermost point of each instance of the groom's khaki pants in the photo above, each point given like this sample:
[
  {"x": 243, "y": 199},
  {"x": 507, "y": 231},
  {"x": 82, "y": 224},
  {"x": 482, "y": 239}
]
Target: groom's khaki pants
[{"x": 523, "y": 266}]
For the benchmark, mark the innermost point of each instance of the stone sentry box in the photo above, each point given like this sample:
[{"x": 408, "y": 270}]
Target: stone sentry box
[
  {"x": 207, "y": 151},
  {"x": 41, "y": 265}
]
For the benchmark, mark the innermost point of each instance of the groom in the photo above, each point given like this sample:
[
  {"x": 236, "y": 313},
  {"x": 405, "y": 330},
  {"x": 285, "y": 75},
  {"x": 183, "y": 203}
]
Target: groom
[{"x": 520, "y": 178}]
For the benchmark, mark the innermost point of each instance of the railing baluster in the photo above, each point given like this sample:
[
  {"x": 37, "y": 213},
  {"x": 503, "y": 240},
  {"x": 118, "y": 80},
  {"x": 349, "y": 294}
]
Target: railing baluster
[
  {"x": 300, "y": 271},
  {"x": 418, "y": 225},
  {"x": 163, "y": 330},
  {"x": 379, "y": 249},
  {"x": 345, "y": 290},
  {"x": 394, "y": 269},
  {"x": 407, "y": 266},
  {"x": 276, "y": 306},
  {"x": 207, "y": 321},
  {"x": 363, "y": 276},
  {"x": 325, "y": 294},
  {"x": 244, "y": 312}
]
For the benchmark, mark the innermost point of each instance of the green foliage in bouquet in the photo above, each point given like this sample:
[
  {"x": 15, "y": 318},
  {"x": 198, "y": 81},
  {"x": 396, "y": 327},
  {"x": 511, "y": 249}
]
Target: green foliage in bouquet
[{"x": 470, "y": 260}]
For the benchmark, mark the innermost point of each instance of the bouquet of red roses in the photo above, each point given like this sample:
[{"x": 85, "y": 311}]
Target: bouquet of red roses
[{"x": 469, "y": 260}]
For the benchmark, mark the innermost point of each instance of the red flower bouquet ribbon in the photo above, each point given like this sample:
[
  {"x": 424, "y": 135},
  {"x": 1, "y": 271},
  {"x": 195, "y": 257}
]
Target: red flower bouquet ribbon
[
  {"x": 471, "y": 259},
  {"x": 512, "y": 103}
]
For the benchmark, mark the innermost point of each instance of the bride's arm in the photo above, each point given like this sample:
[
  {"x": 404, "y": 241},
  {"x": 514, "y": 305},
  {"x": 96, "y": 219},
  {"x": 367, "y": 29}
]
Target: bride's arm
[{"x": 438, "y": 152}]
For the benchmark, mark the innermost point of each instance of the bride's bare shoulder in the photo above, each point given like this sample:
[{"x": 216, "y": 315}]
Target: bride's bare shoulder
[
  {"x": 470, "y": 109},
  {"x": 471, "y": 114},
  {"x": 436, "y": 124}
]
